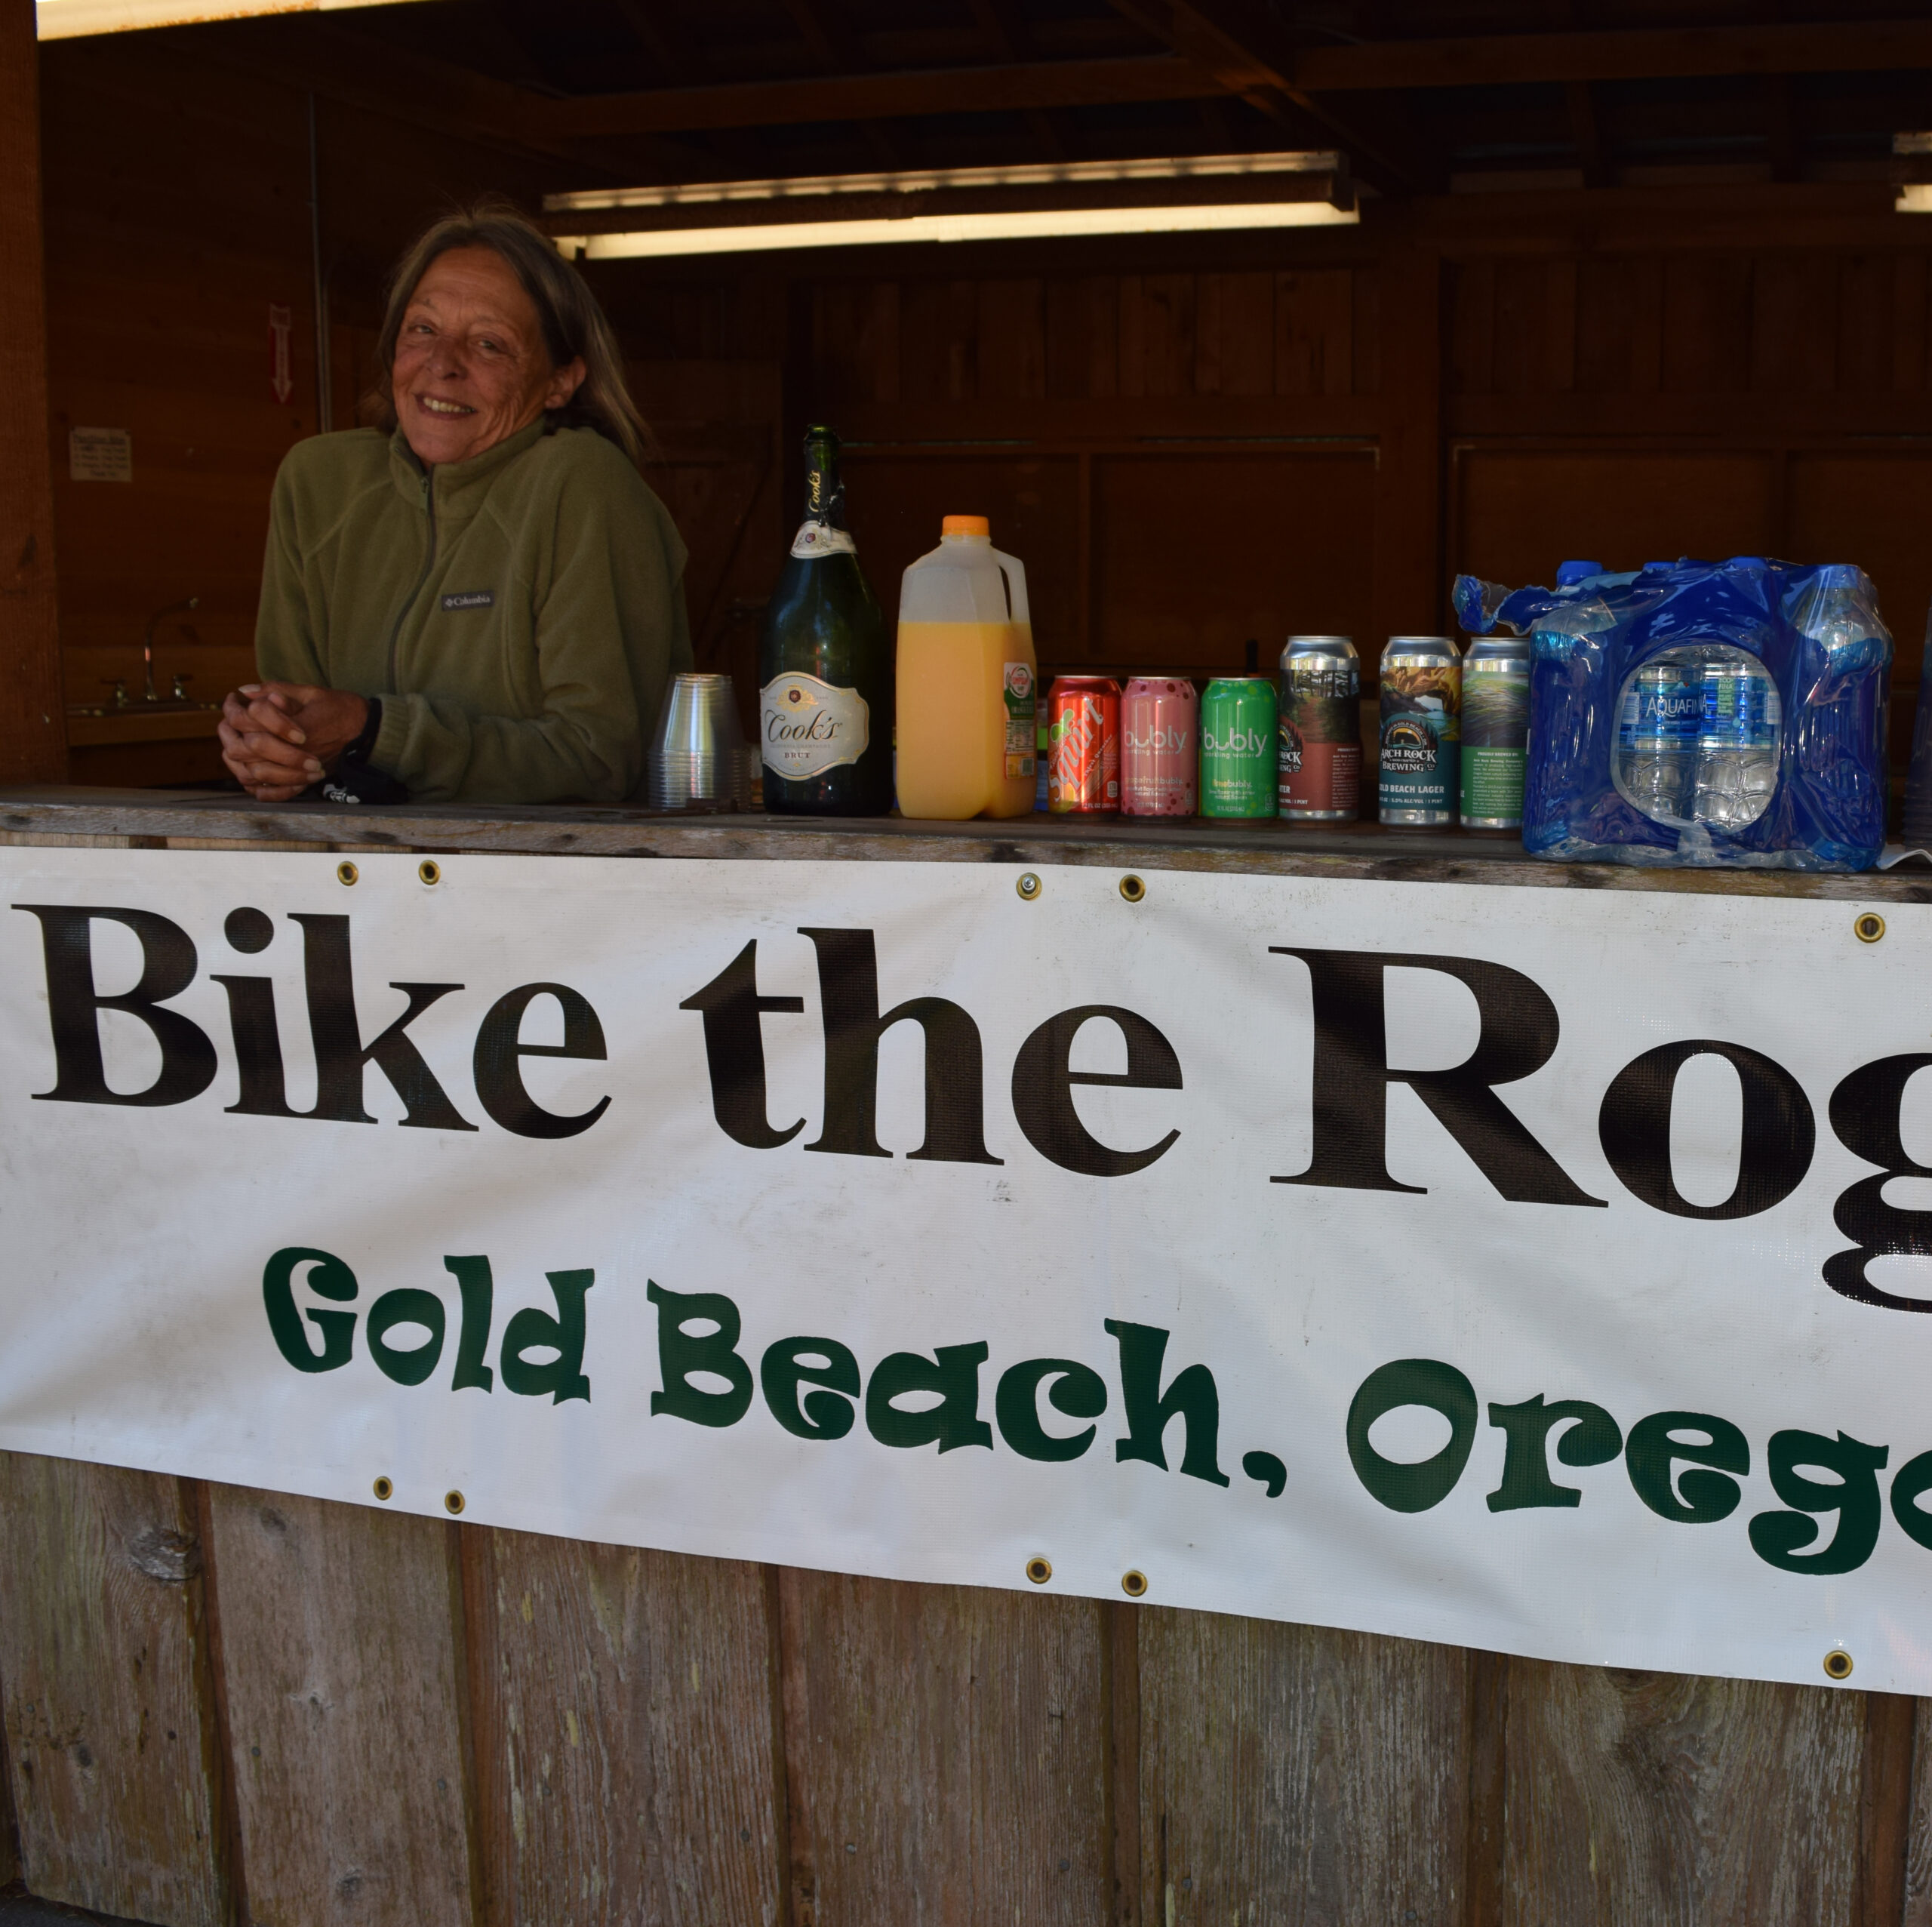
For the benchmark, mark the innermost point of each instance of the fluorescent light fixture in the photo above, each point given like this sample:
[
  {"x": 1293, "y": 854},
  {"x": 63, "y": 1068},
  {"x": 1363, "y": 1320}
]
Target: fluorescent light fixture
[
  {"x": 1037, "y": 224},
  {"x": 66, "y": 20},
  {"x": 1188, "y": 193},
  {"x": 1914, "y": 197}
]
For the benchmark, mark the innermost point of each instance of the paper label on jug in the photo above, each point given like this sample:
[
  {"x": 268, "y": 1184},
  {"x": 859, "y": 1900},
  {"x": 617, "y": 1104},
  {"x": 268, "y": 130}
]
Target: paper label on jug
[
  {"x": 1021, "y": 704},
  {"x": 820, "y": 538},
  {"x": 807, "y": 727}
]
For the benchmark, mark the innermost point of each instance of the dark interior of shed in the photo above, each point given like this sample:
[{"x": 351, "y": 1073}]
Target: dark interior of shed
[{"x": 1628, "y": 281}]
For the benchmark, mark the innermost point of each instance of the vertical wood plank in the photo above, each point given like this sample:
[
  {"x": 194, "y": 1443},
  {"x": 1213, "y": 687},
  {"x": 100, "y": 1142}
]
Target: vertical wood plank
[
  {"x": 1313, "y": 333},
  {"x": 855, "y": 340},
  {"x": 1646, "y": 324},
  {"x": 1406, "y": 559},
  {"x": 1165, "y": 314},
  {"x": 1365, "y": 301},
  {"x": 1013, "y": 341},
  {"x": 1918, "y": 1909},
  {"x": 1300, "y": 1775},
  {"x": 1472, "y": 327},
  {"x": 938, "y": 329},
  {"x": 108, "y": 1706},
  {"x": 33, "y": 740},
  {"x": 1908, "y": 323},
  {"x": 1884, "y": 1816},
  {"x": 1669, "y": 1799},
  {"x": 1522, "y": 299},
  {"x": 1560, "y": 341},
  {"x": 1234, "y": 335},
  {"x": 624, "y": 1729},
  {"x": 344, "y": 1693},
  {"x": 946, "y": 1755},
  {"x": 1865, "y": 324},
  {"x": 1706, "y": 345}
]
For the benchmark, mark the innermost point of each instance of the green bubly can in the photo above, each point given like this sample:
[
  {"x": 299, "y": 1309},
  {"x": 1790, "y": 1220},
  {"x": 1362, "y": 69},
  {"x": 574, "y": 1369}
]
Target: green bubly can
[
  {"x": 1239, "y": 774},
  {"x": 1419, "y": 784},
  {"x": 1496, "y": 731}
]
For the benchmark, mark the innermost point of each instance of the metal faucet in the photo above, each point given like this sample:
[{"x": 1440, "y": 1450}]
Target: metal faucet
[{"x": 147, "y": 649}]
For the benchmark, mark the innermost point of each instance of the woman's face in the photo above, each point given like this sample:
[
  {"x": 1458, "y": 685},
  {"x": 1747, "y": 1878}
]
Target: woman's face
[{"x": 471, "y": 368}]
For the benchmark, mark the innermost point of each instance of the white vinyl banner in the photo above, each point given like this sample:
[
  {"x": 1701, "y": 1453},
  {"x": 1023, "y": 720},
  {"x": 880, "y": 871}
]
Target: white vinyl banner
[{"x": 1531, "y": 1268}]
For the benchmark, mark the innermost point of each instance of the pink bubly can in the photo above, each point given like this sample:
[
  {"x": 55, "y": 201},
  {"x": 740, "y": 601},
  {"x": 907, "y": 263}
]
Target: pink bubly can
[{"x": 1159, "y": 746}]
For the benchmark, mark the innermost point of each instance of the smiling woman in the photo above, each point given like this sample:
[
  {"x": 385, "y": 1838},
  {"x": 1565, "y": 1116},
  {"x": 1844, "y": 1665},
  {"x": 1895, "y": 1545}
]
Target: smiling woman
[{"x": 477, "y": 599}]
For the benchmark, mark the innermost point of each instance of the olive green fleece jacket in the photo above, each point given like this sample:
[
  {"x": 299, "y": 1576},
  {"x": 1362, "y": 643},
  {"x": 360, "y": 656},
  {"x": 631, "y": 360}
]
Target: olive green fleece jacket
[{"x": 518, "y": 614}]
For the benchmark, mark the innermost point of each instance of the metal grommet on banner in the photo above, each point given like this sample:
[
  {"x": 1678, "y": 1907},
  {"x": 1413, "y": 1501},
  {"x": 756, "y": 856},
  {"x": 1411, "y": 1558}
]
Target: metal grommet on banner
[
  {"x": 452, "y": 1502},
  {"x": 1868, "y": 927},
  {"x": 1134, "y": 1583},
  {"x": 383, "y": 1488},
  {"x": 1028, "y": 886},
  {"x": 1132, "y": 889},
  {"x": 1039, "y": 1570},
  {"x": 1837, "y": 1664},
  {"x": 429, "y": 870},
  {"x": 346, "y": 873}
]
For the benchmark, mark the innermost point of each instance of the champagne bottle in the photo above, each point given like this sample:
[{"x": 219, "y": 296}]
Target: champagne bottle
[{"x": 825, "y": 665}]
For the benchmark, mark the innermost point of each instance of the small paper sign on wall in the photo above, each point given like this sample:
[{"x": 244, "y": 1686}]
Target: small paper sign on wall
[{"x": 100, "y": 454}]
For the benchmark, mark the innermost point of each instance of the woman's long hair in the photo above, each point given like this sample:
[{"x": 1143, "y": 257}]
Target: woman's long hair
[{"x": 573, "y": 323}]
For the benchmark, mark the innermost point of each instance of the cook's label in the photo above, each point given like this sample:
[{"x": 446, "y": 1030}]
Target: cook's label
[
  {"x": 1021, "y": 705},
  {"x": 807, "y": 727},
  {"x": 820, "y": 538}
]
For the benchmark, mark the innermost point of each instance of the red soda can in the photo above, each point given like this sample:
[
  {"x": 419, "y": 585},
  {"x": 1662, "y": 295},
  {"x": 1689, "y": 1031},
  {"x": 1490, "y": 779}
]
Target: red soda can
[
  {"x": 1159, "y": 754},
  {"x": 1083, "y": 746}
]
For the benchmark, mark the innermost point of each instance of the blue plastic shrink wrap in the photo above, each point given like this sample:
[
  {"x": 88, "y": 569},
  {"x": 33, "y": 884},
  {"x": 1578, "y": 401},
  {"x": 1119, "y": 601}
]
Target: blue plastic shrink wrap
[{"x": 1713, "y": 713}]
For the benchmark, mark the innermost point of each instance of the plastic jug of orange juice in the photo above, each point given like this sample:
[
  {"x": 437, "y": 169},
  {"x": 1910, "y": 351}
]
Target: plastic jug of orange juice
[{"x": 966, "y": 680}]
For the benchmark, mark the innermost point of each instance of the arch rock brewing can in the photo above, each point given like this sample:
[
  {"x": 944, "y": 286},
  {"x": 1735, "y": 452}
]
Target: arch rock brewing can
[
  {"x": 1159, "y": 716},
  {"x": 1239, "y": 758},
  {"x": 1083, "y": 746},
  {"x": 1321, "y": 734},
  {"x": 1421, "y": 734}
]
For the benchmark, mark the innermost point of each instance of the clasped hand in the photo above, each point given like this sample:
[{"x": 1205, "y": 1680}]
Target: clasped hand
[{"x": 276, "y": 738}]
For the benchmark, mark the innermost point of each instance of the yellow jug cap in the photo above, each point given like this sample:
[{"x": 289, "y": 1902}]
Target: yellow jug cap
[{"x": 966, "y": 525}]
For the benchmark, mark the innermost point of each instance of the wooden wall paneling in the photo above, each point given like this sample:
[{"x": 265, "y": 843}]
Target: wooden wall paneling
[
  {"x": 1365, "y": 308},
  {"x": 1866, "y": 295},
  {"x": 1908, "y": 323},
  {"x": 33, "y": 744},
  {"x": 1406, "y": 557},
  {"x": 341, "y": 1665},
  {"x": 938, "y": 359},
  {"x": 630, "y": 1770},
  {"x": 947, "y": 1754},
  {"x": 1157, "y": 325},
  {"x": 1884, "y": 1808},
  {"x": 1471, "y": 331},
  {"x": 1083, "y": 336},
  {"x": 1794, "y": 302},
  {"x": 1560, "y": 332},
  {"x": 1012, "y": 334},
  {"x": 1300, "y": 1775},
  {"x": 856, "y": 341},
  {"x": 110, "y": 1723},
  {"x": 1646, "y": 325},
  {"x": 1315, "y": 332},
  {"x": 1706, "y": 344},
  {"x": 1521, "y": 354},
  {"x": 1234, "y": 335},
  {"x": 1680, "y": 1802},
  {"x": 1196, "y": 551}
]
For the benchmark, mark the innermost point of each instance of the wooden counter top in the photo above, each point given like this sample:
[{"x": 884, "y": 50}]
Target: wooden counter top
[{"x": 214, "y": 819}]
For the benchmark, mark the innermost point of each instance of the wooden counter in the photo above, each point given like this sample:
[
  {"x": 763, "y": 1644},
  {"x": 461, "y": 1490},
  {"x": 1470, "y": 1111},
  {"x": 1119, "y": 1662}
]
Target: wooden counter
[{"x": 404, "y": 1720}]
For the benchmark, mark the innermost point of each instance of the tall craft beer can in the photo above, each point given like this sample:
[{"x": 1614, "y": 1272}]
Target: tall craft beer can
[
  {"x": 1422, "y": 704},
  {"x": 1160, "y": 716},
  {"x": 1496, "y": 731},
  {"x": 1321, "y": 730}
]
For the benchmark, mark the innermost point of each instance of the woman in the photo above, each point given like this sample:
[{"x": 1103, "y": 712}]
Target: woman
[{"x": 480, "y": 601}]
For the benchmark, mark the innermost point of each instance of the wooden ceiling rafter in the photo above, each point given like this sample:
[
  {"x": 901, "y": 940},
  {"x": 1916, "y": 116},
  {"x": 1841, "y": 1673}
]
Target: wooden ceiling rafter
[
  {"x": 837, "y": 52},
  {"x": 1010, "y": 36},
  {"x": 1241, "y": 44}
]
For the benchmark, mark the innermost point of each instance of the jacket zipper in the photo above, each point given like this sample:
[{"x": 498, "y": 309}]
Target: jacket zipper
[{"x": 428, "y": 563}]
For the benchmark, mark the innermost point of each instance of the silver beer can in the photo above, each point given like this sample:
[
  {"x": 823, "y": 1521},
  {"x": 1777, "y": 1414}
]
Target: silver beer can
[
  {"x": 1420, "y": 779},
  {"x": 1496, "y": 730},
  {"x": 1320, "y": 764}
]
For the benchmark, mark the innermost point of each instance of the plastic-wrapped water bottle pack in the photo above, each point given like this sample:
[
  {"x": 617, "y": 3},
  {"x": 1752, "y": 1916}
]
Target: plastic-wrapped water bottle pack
[{"x": 1728, "y": 713}]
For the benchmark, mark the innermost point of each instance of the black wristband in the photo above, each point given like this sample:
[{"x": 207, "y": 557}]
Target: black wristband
[{"x": 364, "y": 747}]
